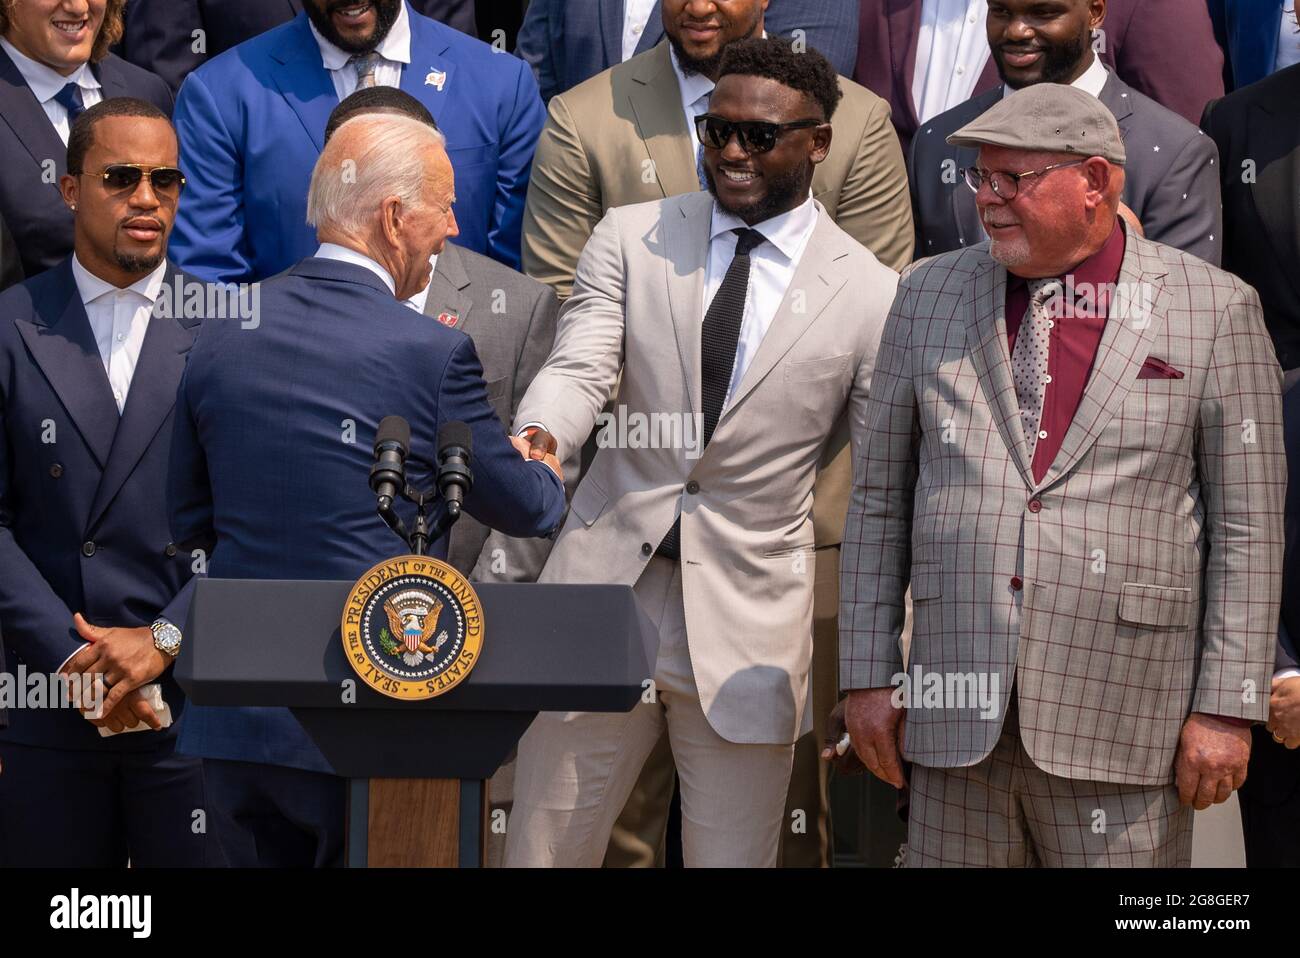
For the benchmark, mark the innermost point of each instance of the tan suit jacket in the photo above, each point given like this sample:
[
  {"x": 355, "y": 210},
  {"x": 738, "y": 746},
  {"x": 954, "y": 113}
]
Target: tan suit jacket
[
  {"x": 621, "y": 138},
  {"x": 745, "y": 502}
]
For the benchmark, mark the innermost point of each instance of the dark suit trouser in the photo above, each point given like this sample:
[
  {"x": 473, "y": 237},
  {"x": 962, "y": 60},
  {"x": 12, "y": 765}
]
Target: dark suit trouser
[
  {"x": 66, "y": 808},
  {"x": 639, "y": 836},
  {"x": 270, "y": 816},
  {"x": 1270, "y": 804}
]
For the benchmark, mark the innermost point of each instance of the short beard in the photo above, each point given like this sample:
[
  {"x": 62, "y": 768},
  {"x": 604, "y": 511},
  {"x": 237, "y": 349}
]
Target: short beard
[
  {"x": 783, "y": 194},
  {"x": 1010, "y": 254},
  {"x": 386, "y": 13},
  {"x": 709, "y": 66},
  {"x": 136, "y": 264},
  {"x": 1058, "y": 61}
]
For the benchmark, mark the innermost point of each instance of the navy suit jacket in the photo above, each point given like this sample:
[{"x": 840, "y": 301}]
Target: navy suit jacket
[
  {"x": 274, "y": 436},
  {"x": 33, "y": 158},
  {"x": 1288, "y": 636},
  {"x": 159, "y": 34},
  {"x": 568, "y": 41},
  {"x": 1248, "y": 32},
  {"x": 252, "y": 124},
  {"x": 83, "y": 523}
]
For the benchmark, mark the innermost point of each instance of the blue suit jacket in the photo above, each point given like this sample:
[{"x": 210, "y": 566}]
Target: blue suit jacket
[
  {"x": 1288, "y": 654},
  {"x": 159, "y": 34},
  {"x": 252, "y": 124},
  {"x": 30, "y": 203},
  {"x": 274, "y": 435},
  {"x": 1248, "y": 32},
  {"x": 568, "y": 41},
  {"x": 83, "y": 525}
]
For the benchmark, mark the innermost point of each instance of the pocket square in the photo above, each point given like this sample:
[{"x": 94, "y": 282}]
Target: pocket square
[{"x": 1158, "y": 369}]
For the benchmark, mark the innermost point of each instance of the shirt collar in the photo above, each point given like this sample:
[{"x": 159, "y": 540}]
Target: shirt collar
[
  {"x": 91, "y": 287},
  {"x": 1090, "y": 81},
  {"x": 1092, "y": 278},
  {"x": 43, "y": 81},
  {"x": 692, "y": 86},
  {"x": 787, "y": 232},
  {"x": 421, "y": 299},
  {"x": 343, "y": 254},
  {"x": 396, "y": 46}
]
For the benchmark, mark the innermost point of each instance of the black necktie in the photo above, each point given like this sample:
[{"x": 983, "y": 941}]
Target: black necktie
[
  {"x": 718, "y": 338},
  {"x": 70, "y": 99}
]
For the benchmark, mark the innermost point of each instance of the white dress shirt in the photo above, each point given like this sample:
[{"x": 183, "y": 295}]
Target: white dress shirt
[
  {"x": 395, "y": 52},
  {"x": 45, "y": 82},
  {"x": 417, "y": 301},
  {"x": 343, "y": 254},
  {"x": 1090, "y": 81},
  {"x": 771, "y": 268},
  {"x": 952, "y": 48},
  {"x": 636, "y": 14},
  {"x": 119, "y": 319},
  {"x": 1288, "y": 39},
  {"x": 695, "y": 89}
]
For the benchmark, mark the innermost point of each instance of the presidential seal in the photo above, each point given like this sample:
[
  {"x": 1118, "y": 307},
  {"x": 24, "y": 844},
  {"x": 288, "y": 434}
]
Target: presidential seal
[{"x": 413, "y": 627}]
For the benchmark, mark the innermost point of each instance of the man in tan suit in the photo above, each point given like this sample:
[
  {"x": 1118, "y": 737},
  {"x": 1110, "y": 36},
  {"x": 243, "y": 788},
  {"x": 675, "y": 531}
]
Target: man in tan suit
[
  {"x": 746, "y": 325},
  {"x": 1076, "y": 458},
  {"x": 623, "y": 137}
]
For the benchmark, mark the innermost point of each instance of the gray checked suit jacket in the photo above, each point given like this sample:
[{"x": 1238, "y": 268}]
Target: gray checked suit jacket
[
  {"x": 1171, "y": 179},
  {"x": 511, "y": 320},
  {"x": 1150, "y": 553}
]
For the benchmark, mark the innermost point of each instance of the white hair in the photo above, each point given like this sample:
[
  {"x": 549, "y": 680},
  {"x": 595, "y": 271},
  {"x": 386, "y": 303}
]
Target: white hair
[{"x": 347, "y": 190}]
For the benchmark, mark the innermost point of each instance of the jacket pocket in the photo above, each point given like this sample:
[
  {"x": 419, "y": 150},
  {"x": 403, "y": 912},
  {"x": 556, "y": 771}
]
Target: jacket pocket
[
  {"x": 814, "y": 369},
  {"x": 588, "y": 502},
  {"x": 1156, "y": 606}
]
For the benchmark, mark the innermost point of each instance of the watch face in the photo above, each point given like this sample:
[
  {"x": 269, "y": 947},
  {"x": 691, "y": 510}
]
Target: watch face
[{"x": 168, "y": 638}]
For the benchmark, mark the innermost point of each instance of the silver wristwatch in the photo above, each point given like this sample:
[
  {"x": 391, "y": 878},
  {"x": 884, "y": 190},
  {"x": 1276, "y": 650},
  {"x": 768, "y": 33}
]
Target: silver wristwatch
[{"x": 166, "y": 637}]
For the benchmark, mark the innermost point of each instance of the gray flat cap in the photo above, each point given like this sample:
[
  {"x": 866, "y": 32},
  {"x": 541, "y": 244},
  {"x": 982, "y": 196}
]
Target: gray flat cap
[{"x": 1047, "y": 118}]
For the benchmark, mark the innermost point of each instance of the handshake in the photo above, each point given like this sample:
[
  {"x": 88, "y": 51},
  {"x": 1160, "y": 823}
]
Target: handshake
[{"x": 536, "y": 443}]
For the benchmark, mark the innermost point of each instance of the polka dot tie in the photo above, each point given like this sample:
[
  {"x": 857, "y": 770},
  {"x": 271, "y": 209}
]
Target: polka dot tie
[{"x": 1029, "y": 358}]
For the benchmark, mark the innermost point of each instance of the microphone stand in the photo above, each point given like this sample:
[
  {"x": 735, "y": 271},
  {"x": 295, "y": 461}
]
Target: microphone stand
[{"x": 418, "y": 539}]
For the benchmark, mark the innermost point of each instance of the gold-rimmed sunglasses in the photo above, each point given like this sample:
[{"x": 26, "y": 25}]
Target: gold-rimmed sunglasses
[
  {"x": 1006, "y": 185},
  {"x": 126, "y": 176}
]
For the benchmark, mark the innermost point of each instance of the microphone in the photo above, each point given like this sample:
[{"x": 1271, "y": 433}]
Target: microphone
[
  {"x": 454, "y": 476},
  {"x": 388, "y": 474}
]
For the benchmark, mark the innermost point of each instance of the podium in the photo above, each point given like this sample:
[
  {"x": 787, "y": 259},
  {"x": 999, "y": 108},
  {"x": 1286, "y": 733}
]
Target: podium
[{"x": 416, "y": 770}]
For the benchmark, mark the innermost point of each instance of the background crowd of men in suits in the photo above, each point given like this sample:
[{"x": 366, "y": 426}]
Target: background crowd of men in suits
[{"x": 557, "y": 121}]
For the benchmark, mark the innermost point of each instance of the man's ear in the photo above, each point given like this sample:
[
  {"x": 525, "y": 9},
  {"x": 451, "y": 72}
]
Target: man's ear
[
  {"x": 390, "y": 219},
  {"x": 70, "y": 189},
  {"x": 1099, "y": 175},
  {"x": 821, "y": 143}
]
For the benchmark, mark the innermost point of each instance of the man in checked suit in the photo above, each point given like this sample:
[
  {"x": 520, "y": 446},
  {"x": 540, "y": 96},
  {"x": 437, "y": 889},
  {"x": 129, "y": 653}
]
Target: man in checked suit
[
  {"x": 1077, "y": 460},
  {"x": 750, "y": 320},
  {"x": 1171, "y": 183},
  {"x": 622, "y": 137}
]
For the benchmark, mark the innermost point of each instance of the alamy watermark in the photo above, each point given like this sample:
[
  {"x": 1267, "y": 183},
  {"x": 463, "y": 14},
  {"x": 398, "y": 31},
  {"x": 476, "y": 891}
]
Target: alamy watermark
[
  {"x": 622, "y": 429},
  {"x": 948, "y": 690},
  {"x": 21, "y": 689},
  {"x": 187, "y": 299}
]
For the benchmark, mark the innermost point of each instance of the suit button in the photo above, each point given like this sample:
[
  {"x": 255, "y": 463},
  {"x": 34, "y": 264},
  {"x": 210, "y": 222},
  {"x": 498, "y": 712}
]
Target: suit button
[
  {"x": 692, "y": 487},
  {"x": 647, "y": 549},
  {"x": 1017, "y": 583},
  {"x": 56, "y": 470},
  {"x": 1035, "y": 505},
  {"x": 171, "y": 549},
  {"x": 88, "y": 549}
]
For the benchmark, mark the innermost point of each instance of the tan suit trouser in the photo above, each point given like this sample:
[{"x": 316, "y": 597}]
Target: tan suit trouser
[
  {"x": 575, "y": 770},
  {"x": 639, "y": 835}
]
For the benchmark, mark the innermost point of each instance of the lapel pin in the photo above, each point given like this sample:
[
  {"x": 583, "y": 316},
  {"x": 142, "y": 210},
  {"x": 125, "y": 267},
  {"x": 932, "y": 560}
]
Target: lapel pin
[
  {"x": 448, "y": 319},
  {"x": 436, "y": 79}
]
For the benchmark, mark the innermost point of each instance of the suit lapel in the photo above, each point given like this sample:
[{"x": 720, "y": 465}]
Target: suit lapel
[
  {"x": 1125, "y": 342},
  {"x": 446, "y": 289},
  {"x": 303, "y": 81},
  {"x": 657, "y": 103},
  {"x": 64, "y": 348},
  {"x": 153, "y": 394},
  {"x": 984, "y": 304},
  {"x": 686, "y": 238},
  {"x": 23, "y": 113},
  {"x": 817, "y": 278},
  {"x": 651, "y": 35},
  {"x": 1272, "y": 138},
  {"x": 610, "y": 17},
  {"x": 428, "y": 58}
]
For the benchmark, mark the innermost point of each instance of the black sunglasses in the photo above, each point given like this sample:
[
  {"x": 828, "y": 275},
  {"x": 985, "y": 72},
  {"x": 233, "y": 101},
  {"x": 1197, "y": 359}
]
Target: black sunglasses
[
  {"x": 754, "y": 136},
  {"x": 127, "y": 176}
]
